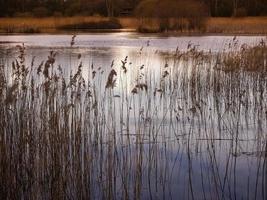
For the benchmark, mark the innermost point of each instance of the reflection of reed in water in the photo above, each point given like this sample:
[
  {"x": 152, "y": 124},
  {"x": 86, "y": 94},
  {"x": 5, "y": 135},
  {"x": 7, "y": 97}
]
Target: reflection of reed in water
[{"x": 193, "y": 129}]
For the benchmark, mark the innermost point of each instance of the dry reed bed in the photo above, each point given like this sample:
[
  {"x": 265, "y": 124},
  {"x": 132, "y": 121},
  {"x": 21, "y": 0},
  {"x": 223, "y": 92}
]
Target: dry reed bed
[
  {"x": 244, "y": 25},
  {"x": 79, "y": 138},
  {"x": 52, "y": 24}
]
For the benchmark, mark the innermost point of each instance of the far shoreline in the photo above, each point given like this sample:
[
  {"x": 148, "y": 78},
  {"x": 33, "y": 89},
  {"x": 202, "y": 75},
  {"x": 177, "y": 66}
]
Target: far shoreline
[
  {"x": 103, "y": 31},
  {"x": 254, "y": 26}
]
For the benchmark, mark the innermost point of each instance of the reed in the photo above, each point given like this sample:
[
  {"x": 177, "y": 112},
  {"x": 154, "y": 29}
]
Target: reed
[
  {"x": 130, "y": 132},
  {"x": 244, "y": 25}
]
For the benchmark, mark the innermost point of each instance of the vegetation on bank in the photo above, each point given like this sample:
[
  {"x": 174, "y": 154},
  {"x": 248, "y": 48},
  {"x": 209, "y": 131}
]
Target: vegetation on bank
[
  {"x": 172, "y": 15},
  {"x": 115, "y": 8},
  {"x": 57, "y": 24},
  {"x": 93, "y": 25},
  {"x": 245, "y": 25},
  {"x": 143, "y": 15}
]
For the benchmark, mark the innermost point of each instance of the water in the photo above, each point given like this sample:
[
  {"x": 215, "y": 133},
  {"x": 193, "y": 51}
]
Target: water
[
  {"x": 191, "y": 135},
  {"x": 130, "y": 40},
  {"x": 101, "y": 50}
]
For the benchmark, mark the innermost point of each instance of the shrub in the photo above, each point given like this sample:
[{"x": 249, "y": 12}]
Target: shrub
[
  {"x": 196, "y": 23},
  {"x": 240, "y": 12},
  {"x": 192, "y": 10},
  {"x": 146, "y": 9},
  {"x": 225, "y": 9},
  {"x": 40, "y": 12},
  {"x": 57, "y": 14},
  {"x": 73, "y": 9},
  {"x": 22, "y": 14},
  {"x": 29, "y": 29},
  {"x": 104, "y": 24}
]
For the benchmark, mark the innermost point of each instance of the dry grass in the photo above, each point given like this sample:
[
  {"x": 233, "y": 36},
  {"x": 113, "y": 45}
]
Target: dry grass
[
  {"x": 246, "y": 25},
  {"x": 180, "y": 25},
  {"x": 51, "y": 24}
]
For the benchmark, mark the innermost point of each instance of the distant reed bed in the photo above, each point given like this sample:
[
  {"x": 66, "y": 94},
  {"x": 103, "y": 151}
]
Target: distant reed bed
[{"x": 242, "y": 25}]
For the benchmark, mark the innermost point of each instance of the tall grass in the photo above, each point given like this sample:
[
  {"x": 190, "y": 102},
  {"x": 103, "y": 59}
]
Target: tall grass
[
  {"x": 244, "y": 25},
  {"x": 55, "y": 24},
  {"x": 129, "y": 132}
]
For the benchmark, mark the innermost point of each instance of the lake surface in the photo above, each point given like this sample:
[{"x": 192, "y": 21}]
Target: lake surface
[
  {"x": 158, "y": 42},
  {"x": 103, "y": 49},
  {"x": 167, "y": 125}
]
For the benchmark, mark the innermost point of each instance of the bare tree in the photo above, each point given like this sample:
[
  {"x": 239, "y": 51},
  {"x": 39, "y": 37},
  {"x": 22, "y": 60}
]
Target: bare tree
[
  {"x": 110, "y": 7},
  {"x": 235, "y": 7}
]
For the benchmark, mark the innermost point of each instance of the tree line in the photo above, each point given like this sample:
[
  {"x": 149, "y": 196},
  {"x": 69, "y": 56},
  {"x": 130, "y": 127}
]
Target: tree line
[
  {"x": 42, "y": 8},
  {"x": 227, "y": 8}
]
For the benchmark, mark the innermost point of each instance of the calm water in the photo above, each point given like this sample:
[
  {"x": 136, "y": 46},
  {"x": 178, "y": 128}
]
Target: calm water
[
  {"x": 166, "y": 147},
  {"x": 130, "y": 40},
  {"x": 101, "y": 50}
]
